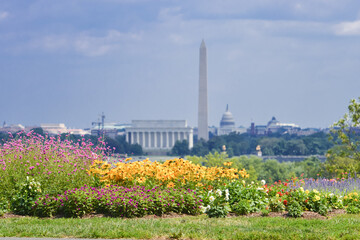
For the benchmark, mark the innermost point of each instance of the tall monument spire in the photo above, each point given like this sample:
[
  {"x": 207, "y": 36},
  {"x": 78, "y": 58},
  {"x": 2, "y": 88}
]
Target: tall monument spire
[{"x": 203, "y": 105}]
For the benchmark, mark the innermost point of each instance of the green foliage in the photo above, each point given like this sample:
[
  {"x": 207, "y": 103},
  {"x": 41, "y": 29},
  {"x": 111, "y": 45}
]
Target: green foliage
[
  {"x": 242, "y": 207},
  {"x": 247, "y": 198},
  {"x": 119, "y": 202},
  {"x": 181, "y": 148},
  {"x": 353, "y": 209},
  {"x": 265, "y": 212},
  {"x": 276, "y": 205},
  {"x": 294, "y": 209},
  {"x": 24, "y": 198},
  {"x": 217, "y": 203},
  {"x": 273, "y": 144},
  {"x": 345, "y": 156},
  {"x": 4, "y": 205},
  {"x": 271, "y": 169},
  {"x": 217, "y": 212}
]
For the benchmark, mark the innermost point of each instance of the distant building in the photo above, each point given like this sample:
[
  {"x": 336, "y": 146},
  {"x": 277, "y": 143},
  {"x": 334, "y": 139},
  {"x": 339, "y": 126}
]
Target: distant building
[
  {"x": 227, "y": 124},
  {"x": 110, "y": 129},
  {"x": 54, "y": 128},
  {"x": 60, "y": 128},
  {"x": 158, "y": 135},
  {"x": 260, "y": 130},
  {"x": 77, "y": 131},
  {"x": 304, "y": 132},
  {"x": 12, "y": 128},
  {"x": 275, "y": 126}
]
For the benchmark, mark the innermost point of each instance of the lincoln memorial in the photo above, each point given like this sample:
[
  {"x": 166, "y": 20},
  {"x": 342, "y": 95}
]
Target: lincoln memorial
[{"x": 159, "y": 134}]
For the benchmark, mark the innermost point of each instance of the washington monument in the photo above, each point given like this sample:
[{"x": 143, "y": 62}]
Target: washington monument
[{"x": 203, "y": 105}]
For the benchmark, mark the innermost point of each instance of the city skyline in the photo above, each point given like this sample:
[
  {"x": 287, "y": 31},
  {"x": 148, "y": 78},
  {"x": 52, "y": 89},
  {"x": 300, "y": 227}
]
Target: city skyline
[{"x": 66, "y": 61}]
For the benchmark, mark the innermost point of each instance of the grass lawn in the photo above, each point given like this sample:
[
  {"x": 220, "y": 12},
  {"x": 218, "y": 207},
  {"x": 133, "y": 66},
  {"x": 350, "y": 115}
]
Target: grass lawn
[{"x": 199, "y": 227}]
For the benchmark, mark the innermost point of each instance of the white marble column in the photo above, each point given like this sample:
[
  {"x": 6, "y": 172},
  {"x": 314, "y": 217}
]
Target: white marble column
[
  {"x": 155, "y": 140},
  {"x": 168, "y": 137},
  {"x": 127, "y": 137},
  {"x": 161, "y": 139},
  {"x": 173, "y": 137},
  {"x": 147, "y": 139},
  {"x": 143, "y": 139}
]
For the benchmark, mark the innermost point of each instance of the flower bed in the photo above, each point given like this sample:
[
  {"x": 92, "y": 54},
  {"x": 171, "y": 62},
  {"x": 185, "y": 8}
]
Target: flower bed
[
  {"x": 119, "y": 201},
  {"x": 241, "y": 198},
  {"x": 171, "y": 173}
]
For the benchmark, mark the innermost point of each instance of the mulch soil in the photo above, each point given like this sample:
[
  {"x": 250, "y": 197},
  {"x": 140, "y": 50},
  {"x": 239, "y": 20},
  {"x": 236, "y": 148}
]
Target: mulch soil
[{"x": 306, "y": 215}]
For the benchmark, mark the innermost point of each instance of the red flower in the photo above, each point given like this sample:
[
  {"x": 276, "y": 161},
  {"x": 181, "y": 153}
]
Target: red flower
[
  {"x": 285, "y": 202},
  {"x": 306, "y": 201}
]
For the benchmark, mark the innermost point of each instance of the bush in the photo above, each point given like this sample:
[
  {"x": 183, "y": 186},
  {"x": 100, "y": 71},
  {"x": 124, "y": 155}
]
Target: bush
[
  {"x": 22, "y": 202},
  {"x": 353, "y": 209},
  {"x": 217, "y": 212},
  {"x": 4, "y": 206},
  {"x": 242, "y": 207},
  {"x": 57, "y": 165},
  {"x": 295, "y": 209},
  {"x": 119, "y": 202}
]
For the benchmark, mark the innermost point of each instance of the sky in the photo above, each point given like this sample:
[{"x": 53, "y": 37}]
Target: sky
[{"x": 68, "y": 61}]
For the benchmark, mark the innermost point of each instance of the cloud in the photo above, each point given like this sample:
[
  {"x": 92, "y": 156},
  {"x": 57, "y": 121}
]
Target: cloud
[
  {"x": 348, "y": 28},
  {"x": 3, "y": 15},
  {"x": 85, "y": 43},
  {"x": 170, "y": 14}
]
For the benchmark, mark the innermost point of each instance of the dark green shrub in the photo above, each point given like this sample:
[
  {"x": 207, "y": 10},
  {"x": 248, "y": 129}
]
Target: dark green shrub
[
  {"x": 242, "y": 207},
  {"x": 217, "y": 212},
  {"x": 24, "y": 198},
  {"x": 295, "y": 209}
]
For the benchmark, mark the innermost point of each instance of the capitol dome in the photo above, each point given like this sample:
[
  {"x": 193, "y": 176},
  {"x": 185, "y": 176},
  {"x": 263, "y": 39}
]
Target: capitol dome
[{"x": 227, "y": 119}]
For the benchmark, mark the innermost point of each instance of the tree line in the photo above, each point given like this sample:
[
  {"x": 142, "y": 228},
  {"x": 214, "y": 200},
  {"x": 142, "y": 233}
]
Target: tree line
[{"x": 244, "y": 144}]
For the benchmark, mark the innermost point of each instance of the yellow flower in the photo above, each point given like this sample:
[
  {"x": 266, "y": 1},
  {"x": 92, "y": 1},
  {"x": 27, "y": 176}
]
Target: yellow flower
[
  {"x": 141, "y": 180},
  {"x": 301, "y": 189},
  {"x": 315, "y": 191},
  {"x": 227, "y": 163},
  {"x": 170, "y": 185},
  {"x": 316, "y": 198},
  {"x": 307, "y": 191}
]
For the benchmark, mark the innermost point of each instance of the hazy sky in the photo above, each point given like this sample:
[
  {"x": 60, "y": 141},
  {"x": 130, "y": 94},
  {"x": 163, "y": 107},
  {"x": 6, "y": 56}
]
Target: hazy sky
[{"x": 68, "y": 60}]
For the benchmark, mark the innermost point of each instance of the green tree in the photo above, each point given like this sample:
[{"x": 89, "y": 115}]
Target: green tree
[
  {"x": 345, "y": 155},
  {"x": 136, "y": 149},
  {"x": 181, "y": 148}
]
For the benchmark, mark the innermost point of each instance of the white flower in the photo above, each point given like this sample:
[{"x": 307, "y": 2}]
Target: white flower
[
  {"x": 211, "y": 198},
  {"x": 219, "y": 192},
  {"x": 203, "y": 209},
  {"x": 252, "y": 182},
  {"x": 227, "y": 194},
  {"x": 263, "y": 182},
  {"x": 260, "y": 189}
]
